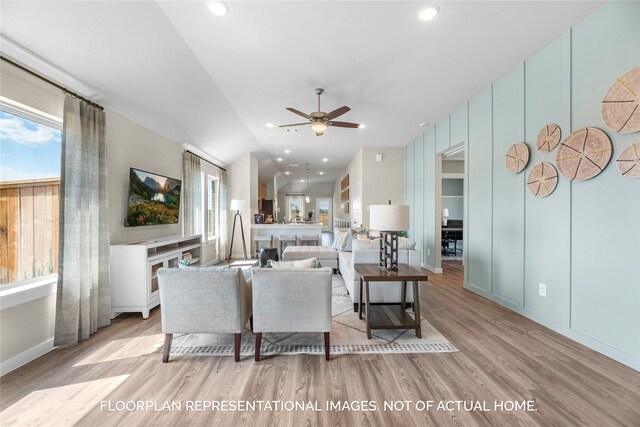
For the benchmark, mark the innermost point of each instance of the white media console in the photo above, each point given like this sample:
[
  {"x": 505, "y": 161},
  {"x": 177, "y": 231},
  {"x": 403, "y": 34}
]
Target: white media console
[{"x": 133, "y": 269}]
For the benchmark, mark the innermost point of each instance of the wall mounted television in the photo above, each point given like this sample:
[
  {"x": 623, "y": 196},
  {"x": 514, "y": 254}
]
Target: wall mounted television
[{"x": 153, "y": 199}]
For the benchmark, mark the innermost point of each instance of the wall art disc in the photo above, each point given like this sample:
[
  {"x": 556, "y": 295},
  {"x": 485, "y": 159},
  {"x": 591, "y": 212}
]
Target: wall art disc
[
  {"x": 548, "y": 137},
  {"x": 620, "y": 108},
  {"x": 543, "y": 179},
  {"x": 584, "y": 154},
  {"x": 517, "y": 157},
  {"x": 629, "y": 161}
]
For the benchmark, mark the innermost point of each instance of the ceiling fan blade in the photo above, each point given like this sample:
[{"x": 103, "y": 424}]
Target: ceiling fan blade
[
  {"x": 293, "y": 124},
  {"x": 338, "y": 112},
  {"x": 300, "y": 113},
  {"x": 344, "y": 124}
]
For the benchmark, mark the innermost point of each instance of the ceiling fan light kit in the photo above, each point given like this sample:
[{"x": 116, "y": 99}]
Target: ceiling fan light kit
[{"x": 320, "y": 121}]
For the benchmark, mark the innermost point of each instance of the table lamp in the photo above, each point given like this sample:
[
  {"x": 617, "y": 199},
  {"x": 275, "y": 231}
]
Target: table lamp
[
  {"x": 237, "y": 205},
  {"x": 389, "y": 220},
  {"x": 445, "y": 216}
]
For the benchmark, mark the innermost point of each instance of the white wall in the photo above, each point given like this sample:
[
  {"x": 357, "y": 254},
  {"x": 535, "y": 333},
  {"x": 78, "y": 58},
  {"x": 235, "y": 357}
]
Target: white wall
[
  {"x": 243, "y": 185},
  {"x": 130, "y": 145},
  {"x": 378, "y": 182}
]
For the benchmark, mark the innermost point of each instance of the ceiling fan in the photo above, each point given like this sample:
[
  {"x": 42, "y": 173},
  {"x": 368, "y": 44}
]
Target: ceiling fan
[{"x": 320, "y": 120}]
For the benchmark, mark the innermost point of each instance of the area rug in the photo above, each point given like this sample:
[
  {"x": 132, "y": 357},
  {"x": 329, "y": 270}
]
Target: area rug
[{"x": 348, "y": 336}]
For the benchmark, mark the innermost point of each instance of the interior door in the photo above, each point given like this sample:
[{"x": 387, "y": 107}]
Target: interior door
[{"x": 325, "y": 214}]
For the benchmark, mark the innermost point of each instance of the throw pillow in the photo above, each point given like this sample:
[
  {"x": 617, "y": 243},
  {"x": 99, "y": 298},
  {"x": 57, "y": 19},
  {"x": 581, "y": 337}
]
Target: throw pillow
[
  {"x": 340, "y": 240},
  {"x": 302, "y": 263}
]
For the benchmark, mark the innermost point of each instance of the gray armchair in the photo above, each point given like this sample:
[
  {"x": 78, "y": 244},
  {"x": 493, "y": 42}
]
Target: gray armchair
[
  {"x": 203, "y": 300},
  {"x": 292, "y": 300}
]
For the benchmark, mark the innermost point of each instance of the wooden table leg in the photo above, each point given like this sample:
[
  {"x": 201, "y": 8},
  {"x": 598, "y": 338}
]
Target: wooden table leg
[
  {"x": 368, "y": 311},
  {"x": 403, "y": 297},
  {"x": 360, "y": 300},
  {"x": 416, "y": 308}
]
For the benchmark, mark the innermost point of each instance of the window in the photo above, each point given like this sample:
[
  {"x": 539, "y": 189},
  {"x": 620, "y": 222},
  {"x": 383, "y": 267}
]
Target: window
[
  {"x": 29, "y": 193},
  {"x": 212, "y": 208},
  {"x": 295, "y": 208}
]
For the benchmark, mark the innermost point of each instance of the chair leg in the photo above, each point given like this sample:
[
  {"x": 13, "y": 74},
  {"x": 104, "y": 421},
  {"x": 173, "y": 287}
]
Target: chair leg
[
  {"x": 251, "y": 322},
  {"x": 167, "y": 347},
  {"x": 236, "y": 346},
  {"x": 258, "y": 343},
  {"x": 327, "y": 345}
]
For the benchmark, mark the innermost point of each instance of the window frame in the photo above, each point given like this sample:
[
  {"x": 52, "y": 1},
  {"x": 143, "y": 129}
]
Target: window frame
[
  {"x": 22, "y": 291},
  {"x": 208, "y": 178}
]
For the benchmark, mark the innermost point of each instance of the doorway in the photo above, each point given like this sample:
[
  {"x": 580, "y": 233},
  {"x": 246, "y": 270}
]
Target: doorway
[
  {"x": 324, "y": 206},
  {"x": 451, "y": 204}
]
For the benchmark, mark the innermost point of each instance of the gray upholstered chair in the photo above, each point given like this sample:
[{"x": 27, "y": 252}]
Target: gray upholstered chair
[
  {"x": 203, "y": 300},
  {"x": 292, "y": 300}
]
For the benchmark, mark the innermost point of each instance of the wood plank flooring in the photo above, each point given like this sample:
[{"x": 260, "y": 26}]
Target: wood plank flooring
[{"x": 503, "y": 357}]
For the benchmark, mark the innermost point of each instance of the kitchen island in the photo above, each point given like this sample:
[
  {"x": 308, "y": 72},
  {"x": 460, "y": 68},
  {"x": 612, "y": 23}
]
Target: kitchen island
[{"x": 289, "y": 229}]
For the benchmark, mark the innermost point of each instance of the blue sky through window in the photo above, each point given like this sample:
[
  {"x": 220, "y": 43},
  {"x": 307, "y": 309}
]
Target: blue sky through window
[{"x": 28, "y": 150}]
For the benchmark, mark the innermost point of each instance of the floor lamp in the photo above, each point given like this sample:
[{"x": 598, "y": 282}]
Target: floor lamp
[{"x": 237, "y": 205}]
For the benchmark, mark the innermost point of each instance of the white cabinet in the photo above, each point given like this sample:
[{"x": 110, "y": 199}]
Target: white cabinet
[{"x": 133, "y": 268}]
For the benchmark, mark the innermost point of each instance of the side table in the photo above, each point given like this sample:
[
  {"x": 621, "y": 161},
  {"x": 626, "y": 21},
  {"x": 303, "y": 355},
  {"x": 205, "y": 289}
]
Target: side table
[{"x": 385, "y": 316}]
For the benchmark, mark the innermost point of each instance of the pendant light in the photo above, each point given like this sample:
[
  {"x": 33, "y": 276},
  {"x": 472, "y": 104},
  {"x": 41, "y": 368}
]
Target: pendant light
[{"x": 307, "y": 199}]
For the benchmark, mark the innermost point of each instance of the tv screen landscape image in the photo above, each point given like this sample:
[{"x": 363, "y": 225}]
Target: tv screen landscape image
[{"x": 153, "y": 199}]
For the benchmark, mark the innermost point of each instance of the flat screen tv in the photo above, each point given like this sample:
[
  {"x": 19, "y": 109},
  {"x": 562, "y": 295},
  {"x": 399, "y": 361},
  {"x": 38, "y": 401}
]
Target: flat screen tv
[{"x": 153, "y": 199}]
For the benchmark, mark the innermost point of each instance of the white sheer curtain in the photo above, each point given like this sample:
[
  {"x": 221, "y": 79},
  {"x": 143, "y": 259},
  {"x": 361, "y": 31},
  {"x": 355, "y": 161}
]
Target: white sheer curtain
[
  {"x": 223, "y": 243},
  {"x": 84, "y": 294},
  {"x": 191, "y": 194}
]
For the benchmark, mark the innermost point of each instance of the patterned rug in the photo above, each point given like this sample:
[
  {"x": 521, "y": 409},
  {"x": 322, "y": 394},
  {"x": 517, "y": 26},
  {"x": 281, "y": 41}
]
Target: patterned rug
[{"x": 348, "y": 336}]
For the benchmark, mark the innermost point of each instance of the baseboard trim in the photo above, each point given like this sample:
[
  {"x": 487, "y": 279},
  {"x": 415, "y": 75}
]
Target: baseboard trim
[
  {"x": 25, "y": 357},
  {"x": 432, "y": 269}
]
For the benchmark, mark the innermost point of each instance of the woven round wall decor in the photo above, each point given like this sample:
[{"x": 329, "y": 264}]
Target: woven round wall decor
[
  {"x": 517, "y": 157},
  {"x": 629, "y": 161},
  {"x": 584, "y": 154},
  {"x": 548, "y": 137},
  {"x": 543, "y": 179},
  {"x": 620, "y": 108}
]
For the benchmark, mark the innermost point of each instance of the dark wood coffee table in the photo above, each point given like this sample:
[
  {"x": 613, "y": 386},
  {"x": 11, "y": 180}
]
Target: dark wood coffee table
[{"x": 384, "y": 316}]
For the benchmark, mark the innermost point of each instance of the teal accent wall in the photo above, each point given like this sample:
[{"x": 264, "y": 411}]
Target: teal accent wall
[
  {"x": 583, "y": 241},
  {"x": 430, "y": 244},
  {"x": 443, "y": 140}
]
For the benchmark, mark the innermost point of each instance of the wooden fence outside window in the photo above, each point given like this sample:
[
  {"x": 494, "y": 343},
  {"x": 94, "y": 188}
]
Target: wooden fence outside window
[{"x": 28, "y": 229}]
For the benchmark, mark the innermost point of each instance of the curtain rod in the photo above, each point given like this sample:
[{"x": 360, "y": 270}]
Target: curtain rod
[
  {"x": 52, "y": 83},
  {"x": 202, "y": 158}
]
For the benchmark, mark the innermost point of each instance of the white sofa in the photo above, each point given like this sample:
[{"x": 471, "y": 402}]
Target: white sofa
[{"x": 380, "y": 292}]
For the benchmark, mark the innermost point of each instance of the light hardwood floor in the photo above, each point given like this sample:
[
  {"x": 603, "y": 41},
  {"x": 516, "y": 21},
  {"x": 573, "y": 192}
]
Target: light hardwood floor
[{"x": 503, "y": 357}]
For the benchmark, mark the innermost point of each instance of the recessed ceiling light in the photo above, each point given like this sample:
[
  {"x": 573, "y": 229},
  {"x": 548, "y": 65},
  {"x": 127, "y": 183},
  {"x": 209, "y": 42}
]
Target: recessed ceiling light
[
  {"x": 320, "y": 173},
  {"x": 218, "y": 7},
  {"x": 423, "y": 125},
  {"x": 270, "y": 125},
  {"x": 287, "y": 151},
  {"x": 325, "y": 160},
  {"x": 279, "y": 159},
  {"x": 362, "y": 126},
  {"x": 287, "y": 173},
  {"x": 428, "y": 13}
]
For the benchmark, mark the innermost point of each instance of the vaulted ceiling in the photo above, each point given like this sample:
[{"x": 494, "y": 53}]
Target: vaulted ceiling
[{"x": 214, "y": 82}]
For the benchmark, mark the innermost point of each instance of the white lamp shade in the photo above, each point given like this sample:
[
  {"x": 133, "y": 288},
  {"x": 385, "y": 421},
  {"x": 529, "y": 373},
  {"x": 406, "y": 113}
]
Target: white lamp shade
[
  {"x": 389, "y": 217},
  {"x": 445, "y": 213},
  {"x": 237, "y": 204}
]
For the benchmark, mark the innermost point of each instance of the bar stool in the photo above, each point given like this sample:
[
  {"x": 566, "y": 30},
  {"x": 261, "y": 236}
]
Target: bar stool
[
  {"x": 259, "y": 238},
  {"x": 310, "y": 240},
  {"x": 286, "y": 240}
]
